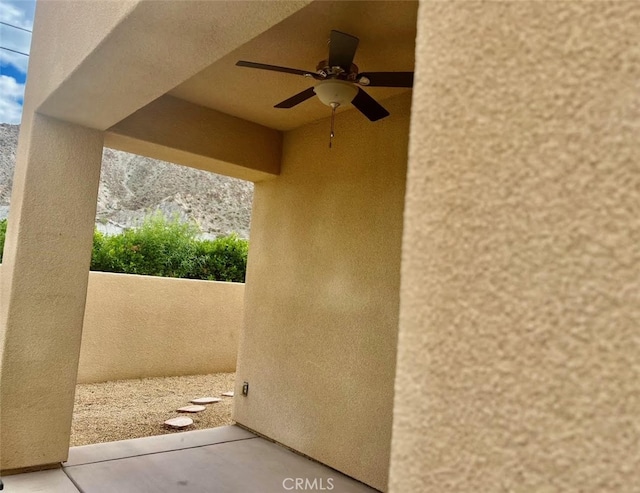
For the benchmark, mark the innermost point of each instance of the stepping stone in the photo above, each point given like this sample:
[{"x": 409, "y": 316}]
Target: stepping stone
[
  {"x": 179, "y": 422},
  {"x": 191, "y": 409},
  {"x": 205, "y": 400},
  {"x": 228, "y": 394}
]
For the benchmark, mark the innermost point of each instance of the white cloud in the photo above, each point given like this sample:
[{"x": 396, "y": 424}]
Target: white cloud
[
  {"x": 20, "y": 62},
  {"x": 11, "y": 95},
  {"x": 18, "y": 13}
]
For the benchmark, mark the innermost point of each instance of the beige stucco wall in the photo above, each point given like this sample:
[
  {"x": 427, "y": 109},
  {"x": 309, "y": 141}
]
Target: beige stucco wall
[
  {"x": 321, "y": 305},
  {"x": 519, "y": 347},
  {"x": 143, "y": 326}
]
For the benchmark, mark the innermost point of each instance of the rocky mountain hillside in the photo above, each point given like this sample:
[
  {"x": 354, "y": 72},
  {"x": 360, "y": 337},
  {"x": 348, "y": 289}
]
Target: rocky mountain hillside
[{"x": 132, "y": 187}]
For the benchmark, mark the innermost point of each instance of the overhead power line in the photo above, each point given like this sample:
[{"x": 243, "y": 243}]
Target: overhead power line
[
  {"x": 14, "y": 51},
  {"x": 16, "y": 27},
  {"x": 11, "y": 49}
]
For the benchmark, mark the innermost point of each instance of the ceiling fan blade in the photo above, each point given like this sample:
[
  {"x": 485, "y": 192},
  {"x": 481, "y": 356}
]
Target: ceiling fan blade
[
  {"x": 342, "y": 49},
  {"x": 387, "y": 79},
  {"x": 368, "y": 106},
  {"x": 297, "y": 99},
  {"x": 275, "y": 68}
]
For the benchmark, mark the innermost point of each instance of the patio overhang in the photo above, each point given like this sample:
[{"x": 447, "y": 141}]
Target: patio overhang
[{"x": 135, "y": 51}]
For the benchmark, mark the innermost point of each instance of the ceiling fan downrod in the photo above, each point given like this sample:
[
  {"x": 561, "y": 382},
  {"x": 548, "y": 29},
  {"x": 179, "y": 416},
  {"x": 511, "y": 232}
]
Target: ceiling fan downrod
[{"x": 334, "y": 106}]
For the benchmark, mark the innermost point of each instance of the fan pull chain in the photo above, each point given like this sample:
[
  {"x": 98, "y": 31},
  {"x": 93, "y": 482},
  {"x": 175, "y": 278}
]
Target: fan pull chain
[{"x": 333, "y": 117}]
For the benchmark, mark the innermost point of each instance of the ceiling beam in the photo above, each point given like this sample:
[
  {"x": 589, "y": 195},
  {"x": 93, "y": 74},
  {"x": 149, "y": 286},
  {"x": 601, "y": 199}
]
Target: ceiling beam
[{"x": 184, "y": 133}]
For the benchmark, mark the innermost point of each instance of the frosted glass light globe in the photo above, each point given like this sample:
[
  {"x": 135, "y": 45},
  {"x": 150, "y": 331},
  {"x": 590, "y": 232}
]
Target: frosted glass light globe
[{"x": 335, "y": 91}]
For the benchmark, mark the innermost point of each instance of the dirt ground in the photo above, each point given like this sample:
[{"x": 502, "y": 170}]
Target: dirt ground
[{"x": 119, "y": 410}]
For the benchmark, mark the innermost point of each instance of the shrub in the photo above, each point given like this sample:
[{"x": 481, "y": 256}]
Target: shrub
[
  {"x": 222, "y": 259},
  {"x": 3, "y": 233},
  {"x": 169, "y": 248},
  {"x": 159, "y": 247}
]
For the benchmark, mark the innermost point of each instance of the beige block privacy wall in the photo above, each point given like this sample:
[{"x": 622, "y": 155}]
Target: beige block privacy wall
[
  {"x": 142, "y": 326},
  {"x": 319, "y": 341},
  {"x": 519, "y": 346}
]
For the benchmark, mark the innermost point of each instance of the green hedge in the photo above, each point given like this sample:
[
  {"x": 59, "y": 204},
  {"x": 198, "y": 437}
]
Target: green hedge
[
  {"x": 167, "y": 248},
  {"x": 3, "y": 233}
]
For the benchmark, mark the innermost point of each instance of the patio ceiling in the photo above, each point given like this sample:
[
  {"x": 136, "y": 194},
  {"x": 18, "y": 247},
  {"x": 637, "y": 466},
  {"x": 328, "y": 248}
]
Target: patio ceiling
[{"x": 387, "y": 33}]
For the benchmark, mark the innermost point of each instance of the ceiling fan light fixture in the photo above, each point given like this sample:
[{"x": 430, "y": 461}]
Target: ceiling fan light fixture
[
  {"x": 340, "y": 79},
  {"x": 335, "y": 92}
]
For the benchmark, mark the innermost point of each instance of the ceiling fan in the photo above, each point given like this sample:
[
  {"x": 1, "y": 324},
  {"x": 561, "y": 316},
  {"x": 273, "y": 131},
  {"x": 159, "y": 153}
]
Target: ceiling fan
[{"x": 339, "y": 80}]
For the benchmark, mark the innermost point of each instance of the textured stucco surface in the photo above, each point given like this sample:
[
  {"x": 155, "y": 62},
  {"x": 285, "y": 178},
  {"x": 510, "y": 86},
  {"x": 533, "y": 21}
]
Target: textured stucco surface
[
  {"x": 519, "y": 346},
  {"x": 52, "y": 60},
  {"x": 109, "y": 58},
  {"x": 321, "y": 301},
  {"x": 43, "y": 287},
  {"x": 142, "y": 326}
]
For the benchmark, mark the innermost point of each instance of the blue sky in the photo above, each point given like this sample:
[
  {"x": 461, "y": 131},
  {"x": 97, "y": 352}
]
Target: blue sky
[{"x": 13, "y": 66}]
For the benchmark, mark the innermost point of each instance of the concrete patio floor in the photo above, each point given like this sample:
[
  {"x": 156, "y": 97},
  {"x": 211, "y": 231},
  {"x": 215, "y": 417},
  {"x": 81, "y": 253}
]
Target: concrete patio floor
[{"x": 226, "y": 459}]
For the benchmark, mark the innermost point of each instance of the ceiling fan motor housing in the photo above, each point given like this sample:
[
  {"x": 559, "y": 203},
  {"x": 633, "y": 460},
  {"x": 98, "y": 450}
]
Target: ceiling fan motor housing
[
  {"x": 334, "y": 91},
  {"x": 324, "y": 70}
]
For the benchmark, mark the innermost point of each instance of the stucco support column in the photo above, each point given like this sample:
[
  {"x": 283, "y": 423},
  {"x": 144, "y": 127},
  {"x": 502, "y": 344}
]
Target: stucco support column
[
  {"x": 44, "y": 280},
  {"x": 518, "y": 363}
]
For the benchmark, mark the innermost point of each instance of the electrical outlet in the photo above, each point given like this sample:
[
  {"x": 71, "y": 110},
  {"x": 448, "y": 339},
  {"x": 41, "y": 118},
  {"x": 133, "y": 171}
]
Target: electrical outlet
[{"x": 245, "y": 388}]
